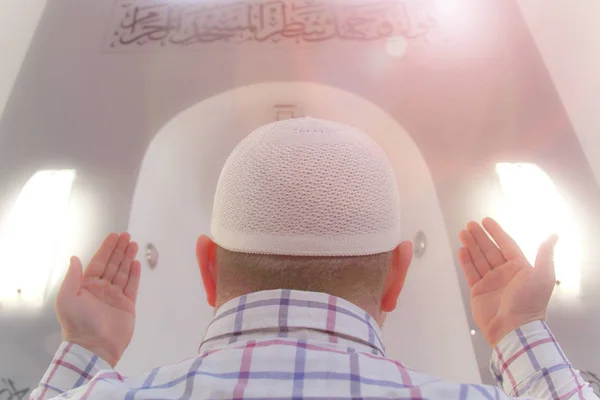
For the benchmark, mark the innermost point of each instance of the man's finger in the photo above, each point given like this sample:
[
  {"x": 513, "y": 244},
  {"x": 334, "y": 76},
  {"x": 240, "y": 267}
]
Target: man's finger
[
  {"x": 481, "y": 263},
  {"x": 116, "y": 257},
  {"x": 122, "y": 274},
  {"x": 468, "y": 267},
  {"x": 544, "y": 261},
  {"x": 96, "y": 267},
  {"x": 131, "y": 289},
  {"x": 509, "y": 248},
  {"x": 72, "y": 282},
  {"x": 490, "y": 250}
]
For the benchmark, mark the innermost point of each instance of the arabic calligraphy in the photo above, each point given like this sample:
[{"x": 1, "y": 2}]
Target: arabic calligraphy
[
  {"x": 147, "y": 23},
  {"x": 8, "y": 390}
]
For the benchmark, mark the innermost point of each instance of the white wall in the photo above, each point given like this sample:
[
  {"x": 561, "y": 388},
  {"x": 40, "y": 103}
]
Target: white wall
[
  {"x": 173, "y": 201},
  {"x": 567, "y": 33},
  {"x": 18, "y": 21}
]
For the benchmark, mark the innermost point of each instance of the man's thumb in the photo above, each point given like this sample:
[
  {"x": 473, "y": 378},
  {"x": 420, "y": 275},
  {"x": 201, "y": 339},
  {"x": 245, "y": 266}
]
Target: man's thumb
[
  {"x": 72, "y": 281},
  {"x": 544, "y": 261}
]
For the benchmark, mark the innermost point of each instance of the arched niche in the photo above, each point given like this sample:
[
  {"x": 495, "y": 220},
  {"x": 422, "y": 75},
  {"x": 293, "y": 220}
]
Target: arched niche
[{"x": 173, "y": 201}]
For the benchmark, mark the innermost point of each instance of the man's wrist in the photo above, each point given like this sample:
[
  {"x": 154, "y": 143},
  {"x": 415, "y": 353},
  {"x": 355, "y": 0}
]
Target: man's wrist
[
  {"x": 97, "y": 350},
  {"x": 503, "y": 327}
]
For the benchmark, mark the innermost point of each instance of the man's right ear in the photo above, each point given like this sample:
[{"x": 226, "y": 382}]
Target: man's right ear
[{"x": 206, "y": 253}]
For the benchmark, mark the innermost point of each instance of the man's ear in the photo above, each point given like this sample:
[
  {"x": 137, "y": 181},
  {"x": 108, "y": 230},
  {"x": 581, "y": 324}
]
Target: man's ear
[
  {"x": 402, "y": 256},
  {"x": 206, "y": 253}
]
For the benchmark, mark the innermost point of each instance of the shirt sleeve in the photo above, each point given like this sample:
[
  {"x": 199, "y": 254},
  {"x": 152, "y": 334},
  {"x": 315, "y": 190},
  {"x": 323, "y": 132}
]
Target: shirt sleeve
[
  {"x": 529, "y": 362},
  {"x": 72, "y": 367}
]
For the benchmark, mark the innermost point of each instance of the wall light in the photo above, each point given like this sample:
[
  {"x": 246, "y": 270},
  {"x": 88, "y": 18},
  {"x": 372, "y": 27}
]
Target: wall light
[
  {"x": 533, "y": 210},
  {"x": 34, "y": 241}
]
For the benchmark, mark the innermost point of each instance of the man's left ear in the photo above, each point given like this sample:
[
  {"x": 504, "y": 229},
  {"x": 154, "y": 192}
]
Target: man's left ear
[
  {"x": 206, "y": 253},
  {"x": 402, "y": 257}
]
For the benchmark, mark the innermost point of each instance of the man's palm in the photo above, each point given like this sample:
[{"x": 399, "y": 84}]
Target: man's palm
[
  {"x": 96, "y": 309},
  {"x": 506, "y": 291}
]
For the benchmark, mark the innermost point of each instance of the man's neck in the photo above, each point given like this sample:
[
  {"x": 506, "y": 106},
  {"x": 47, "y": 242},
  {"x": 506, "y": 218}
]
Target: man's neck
[{"x": 370, "y": 307}]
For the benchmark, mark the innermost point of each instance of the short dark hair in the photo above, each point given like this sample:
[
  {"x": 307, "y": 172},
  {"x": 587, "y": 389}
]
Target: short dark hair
[{"x": 356, "y": 278}]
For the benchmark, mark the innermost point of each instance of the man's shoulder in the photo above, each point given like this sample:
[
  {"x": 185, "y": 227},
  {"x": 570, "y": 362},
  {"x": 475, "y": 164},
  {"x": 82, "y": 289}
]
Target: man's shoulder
[
  {"x": 287, "y": 368},
  {"x": 319, "y": 369}
]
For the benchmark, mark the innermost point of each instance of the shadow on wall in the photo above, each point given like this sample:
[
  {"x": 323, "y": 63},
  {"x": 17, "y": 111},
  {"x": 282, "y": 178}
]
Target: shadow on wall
[{"x": 173, "y": 201}]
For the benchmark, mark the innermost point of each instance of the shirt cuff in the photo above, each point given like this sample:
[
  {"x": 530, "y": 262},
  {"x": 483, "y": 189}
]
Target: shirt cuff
[
  {"x": 523, "y": 353},
  {"x": 72, "y": 367}
]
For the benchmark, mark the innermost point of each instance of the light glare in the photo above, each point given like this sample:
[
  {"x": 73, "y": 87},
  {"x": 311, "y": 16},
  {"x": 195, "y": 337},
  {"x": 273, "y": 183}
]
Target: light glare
[
  {"x": 34, "y": 241},
  {"x": 533, "y": 211},
  {"x": 396, "y": 46}
]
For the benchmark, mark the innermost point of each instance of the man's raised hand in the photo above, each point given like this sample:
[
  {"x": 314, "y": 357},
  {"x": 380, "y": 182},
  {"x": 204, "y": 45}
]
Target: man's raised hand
[
  {"x": 506, "y": 291},
  {"x": 96, "y": 307}
]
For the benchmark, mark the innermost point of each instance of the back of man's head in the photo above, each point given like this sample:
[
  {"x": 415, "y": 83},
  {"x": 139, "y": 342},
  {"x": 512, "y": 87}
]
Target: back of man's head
[{"x": 305, "y": 204}]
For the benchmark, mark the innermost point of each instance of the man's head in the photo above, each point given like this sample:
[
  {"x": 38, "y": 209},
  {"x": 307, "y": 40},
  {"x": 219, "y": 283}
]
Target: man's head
[{"x": 310, "y": 205}]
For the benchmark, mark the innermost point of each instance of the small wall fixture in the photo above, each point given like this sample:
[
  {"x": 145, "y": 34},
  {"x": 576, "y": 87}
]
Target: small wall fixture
[
  {"x": 419, "y": 244},
  {"x": 151, "y": 255}
]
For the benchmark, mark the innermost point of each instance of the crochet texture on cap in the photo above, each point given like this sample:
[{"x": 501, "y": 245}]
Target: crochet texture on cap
[{"x": 307, "y": 187}]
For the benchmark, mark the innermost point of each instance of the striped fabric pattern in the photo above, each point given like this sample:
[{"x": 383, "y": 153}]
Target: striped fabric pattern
[{"x": 286, "y": 344}]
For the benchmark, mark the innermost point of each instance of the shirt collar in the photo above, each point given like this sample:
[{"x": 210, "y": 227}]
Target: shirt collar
[{"x": 286, "y": 313}]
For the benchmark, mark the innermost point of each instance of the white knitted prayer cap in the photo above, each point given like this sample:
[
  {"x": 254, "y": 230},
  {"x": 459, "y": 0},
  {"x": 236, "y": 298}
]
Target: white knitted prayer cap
[{"x": 307, "y": 187}]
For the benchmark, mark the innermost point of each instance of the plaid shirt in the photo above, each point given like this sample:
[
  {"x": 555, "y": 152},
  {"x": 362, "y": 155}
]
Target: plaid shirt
[{"x": 286, "y": 344}]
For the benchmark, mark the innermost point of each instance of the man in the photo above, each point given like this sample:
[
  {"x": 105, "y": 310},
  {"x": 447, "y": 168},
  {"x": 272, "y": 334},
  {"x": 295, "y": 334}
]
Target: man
[{"x": 304, "y": 264}]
